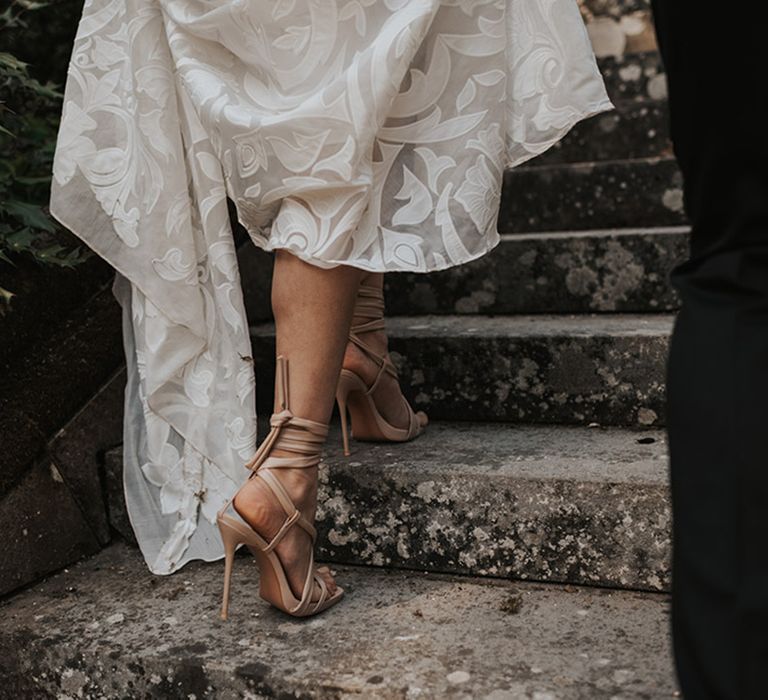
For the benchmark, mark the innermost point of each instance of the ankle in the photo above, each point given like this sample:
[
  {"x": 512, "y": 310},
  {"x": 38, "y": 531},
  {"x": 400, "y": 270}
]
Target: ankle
[
  {"x": 279, "y": 452},
  {"x": 375, "y": 339}
]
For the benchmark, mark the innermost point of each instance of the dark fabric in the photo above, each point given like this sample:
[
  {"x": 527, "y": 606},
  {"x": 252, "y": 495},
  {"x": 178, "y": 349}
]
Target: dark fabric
[{"x": 717, "y": 382}]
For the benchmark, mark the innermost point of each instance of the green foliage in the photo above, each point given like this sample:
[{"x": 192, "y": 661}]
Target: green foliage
[{"x": 29, "y": 120}]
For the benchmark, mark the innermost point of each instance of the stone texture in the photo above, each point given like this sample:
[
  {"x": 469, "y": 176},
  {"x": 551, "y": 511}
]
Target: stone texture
[
  {"x": 117, "y": 513},
  {"x": 545, "y": 503},
  {"x": 51, "y": 381},
  {"x": 43, "y": 527},
  {"x": 632, "y": 130},
  {"x": 533, "y": 369},
  {"x": 581, "y": 272},
  {"x": 34, "y": 311},
  {"x": 574, "y": 505},
  {"x": 612, "y": 8},
  {"x": 634, "y": 76},
  {"x": 40, "y": 390},
  {"x": 606, "y": 194},
  {"x": 623, "y": 270},
  {"x": 619, "y": 27},
  {"x": 255, "y": 267},
  {"x": 78, "y": 448},
  {"x": 22, "y": 443},
  {"x": 623, "y": 31},
  {"x": 109, "y": 629}
]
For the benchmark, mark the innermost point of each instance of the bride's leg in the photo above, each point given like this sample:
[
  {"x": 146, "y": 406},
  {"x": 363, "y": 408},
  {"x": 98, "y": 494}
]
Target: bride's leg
[
  {"x": 387, "y": 394},
  {"x": 313, "y": 311}
]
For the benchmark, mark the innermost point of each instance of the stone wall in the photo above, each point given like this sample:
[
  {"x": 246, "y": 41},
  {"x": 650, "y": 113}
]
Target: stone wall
[{"x": 618, "y": 27}]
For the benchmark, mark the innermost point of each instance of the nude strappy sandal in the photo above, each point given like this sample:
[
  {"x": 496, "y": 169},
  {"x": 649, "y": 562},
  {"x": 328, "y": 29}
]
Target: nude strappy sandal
[
  {"x": 306, "y": 437},
  {"x": 352, "y": 393}
]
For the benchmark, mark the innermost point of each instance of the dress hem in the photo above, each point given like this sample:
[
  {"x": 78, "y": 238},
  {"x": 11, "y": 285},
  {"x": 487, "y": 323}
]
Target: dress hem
[
  {"x": 495, "y": 239},
  {"x": 261, "y": 241}
]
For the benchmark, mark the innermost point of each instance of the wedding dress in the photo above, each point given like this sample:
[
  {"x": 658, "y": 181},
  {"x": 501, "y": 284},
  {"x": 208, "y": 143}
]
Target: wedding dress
[{"x": 372, "y": 133}]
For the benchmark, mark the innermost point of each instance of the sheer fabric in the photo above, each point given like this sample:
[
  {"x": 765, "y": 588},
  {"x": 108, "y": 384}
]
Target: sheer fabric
[{"x": 371, "y": 133}]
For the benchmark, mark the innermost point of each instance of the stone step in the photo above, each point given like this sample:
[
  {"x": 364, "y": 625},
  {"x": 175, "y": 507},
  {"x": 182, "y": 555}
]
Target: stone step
[
  {"x": 544, "y": 503},
  {"x": 633, "y": 76},
  {"x": 603, "y": 194},
  {"x": 633, "y": 130},
  {"x": 612, "y": 8},
  {"x": 619, "y": 28},
  {"x": 607, "y": 369},
  {"x": 107, "y": 628},
  {"x": 624, "y": 270}
]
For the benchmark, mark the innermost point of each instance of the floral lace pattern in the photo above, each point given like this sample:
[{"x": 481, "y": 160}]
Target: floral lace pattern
[{"x": 372, "y": 133}]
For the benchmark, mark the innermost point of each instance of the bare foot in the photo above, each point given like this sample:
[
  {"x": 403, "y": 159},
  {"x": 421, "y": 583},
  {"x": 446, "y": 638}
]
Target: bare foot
[{"x": 259, "y": 507}]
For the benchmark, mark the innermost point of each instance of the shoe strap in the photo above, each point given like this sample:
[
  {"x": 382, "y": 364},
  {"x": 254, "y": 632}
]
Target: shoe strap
[
  {"x": 289, "y": 432},
  {"x": 298, "y": 435},
  {"x": 294, "y": 514},
  {"x": 369, "y": 304}
]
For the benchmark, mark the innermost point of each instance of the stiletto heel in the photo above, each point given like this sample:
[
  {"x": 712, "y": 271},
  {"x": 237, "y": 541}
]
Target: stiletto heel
[
  {"x": 355, "y": 398},
  {"x": 304, "y": 437},
  {"x": 229, "y": 537}
]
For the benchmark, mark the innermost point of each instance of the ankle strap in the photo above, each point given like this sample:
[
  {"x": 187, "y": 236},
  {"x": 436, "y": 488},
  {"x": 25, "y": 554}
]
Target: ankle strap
[
  {"x": 369, "y": 302},
  {"x": 289, "y": 432}
]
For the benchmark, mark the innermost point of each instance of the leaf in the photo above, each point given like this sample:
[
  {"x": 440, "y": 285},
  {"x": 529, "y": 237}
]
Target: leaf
[
  {"x": 10, "y": 61},
  {"x": 29, "y": 5},
  {"x": 419, "y": 204},
  {"x": 283, "y": 8},
  {"x": 293, "y": 39},
  {"x": 6, "y": 296},
  {"x": 19, "y": 241},
  {"x": 39, "y": 180},
  {"x": 490, "y": 77},
  {"x": 31, "y": 215},
  {"x": 466, "y": 95}
]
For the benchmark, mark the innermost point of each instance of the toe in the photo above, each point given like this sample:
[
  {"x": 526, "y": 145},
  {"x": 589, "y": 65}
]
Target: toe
[
  {"x": 423, "y": 418},
  {"x": 325, "y": 572}
]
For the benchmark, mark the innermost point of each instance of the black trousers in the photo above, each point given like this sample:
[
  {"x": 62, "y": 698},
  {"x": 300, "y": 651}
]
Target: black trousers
[{"x": 716, "y": 59}]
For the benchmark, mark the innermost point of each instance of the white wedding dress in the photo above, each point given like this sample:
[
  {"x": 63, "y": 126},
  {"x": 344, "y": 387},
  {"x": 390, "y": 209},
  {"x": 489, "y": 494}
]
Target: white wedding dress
[{"x": 367, "y": 132}]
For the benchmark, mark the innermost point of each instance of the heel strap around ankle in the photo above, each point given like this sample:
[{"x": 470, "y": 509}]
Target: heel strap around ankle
[
  {"x": 289, "y": 432},
  {"x": 303, "y": 437},
  {"x": 299, "y": 435},
  {"x": 369, "y": 304}
]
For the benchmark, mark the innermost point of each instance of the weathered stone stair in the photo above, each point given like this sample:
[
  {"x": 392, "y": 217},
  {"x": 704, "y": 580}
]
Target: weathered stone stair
[
  {"x": 107, "y": 628},
  {"x": 533, "y": 369},
  {"x": 598, "y": 194},
  {"x": 619, "y": 270},
  {"x": 547, "y": 503}
]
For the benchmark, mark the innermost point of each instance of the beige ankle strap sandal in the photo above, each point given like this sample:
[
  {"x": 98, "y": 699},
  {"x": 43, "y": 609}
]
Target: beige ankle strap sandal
[
  {"x": 305, "y": 437},
  {"x": 352, "y": 393}
]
